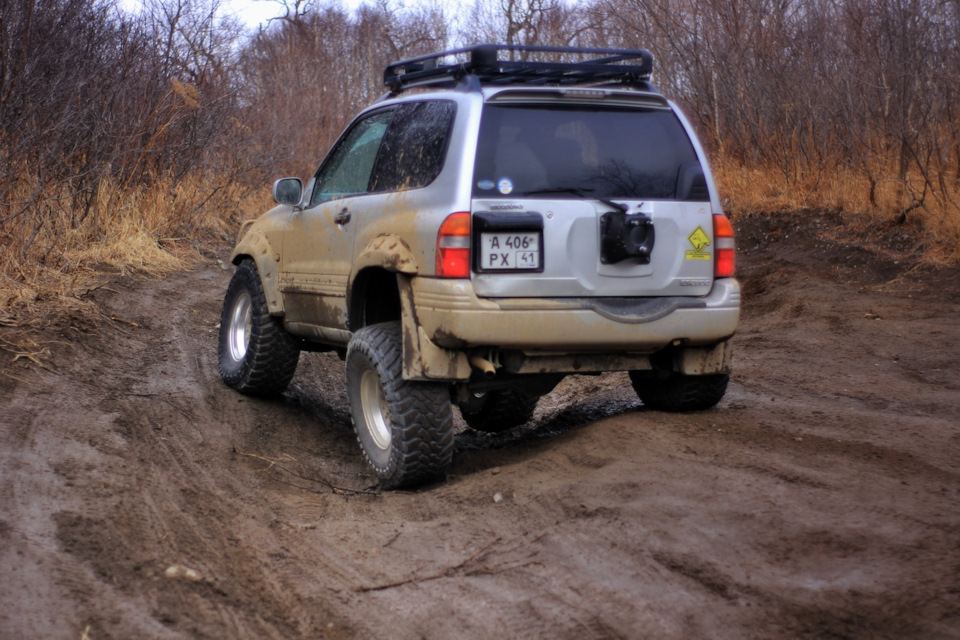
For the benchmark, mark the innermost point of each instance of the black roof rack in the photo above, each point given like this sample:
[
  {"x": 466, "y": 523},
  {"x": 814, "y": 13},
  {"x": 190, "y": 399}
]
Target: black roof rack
[{"x": 631, "y": 67}]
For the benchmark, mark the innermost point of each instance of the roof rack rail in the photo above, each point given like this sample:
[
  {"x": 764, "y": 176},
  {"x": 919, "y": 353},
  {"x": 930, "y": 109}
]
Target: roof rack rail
[{"x": 631, "y": 67}]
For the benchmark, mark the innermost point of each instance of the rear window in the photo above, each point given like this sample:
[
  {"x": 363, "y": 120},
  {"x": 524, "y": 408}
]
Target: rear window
[{"x": 602, "y": 152}]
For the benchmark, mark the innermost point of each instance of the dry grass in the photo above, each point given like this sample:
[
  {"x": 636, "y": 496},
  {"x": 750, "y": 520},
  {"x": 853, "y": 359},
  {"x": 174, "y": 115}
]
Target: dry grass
[
  {"x": 756, "y": 190},
  {"x": 50, "y": 264},
  {"x": 51, "y": 271}
]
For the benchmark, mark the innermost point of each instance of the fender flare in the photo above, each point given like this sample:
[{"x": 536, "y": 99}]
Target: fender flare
[
  {"x": 390, "y": 253},
  {"x": 422, "y": 358},
  {"x": 384, "y": 253},
  {"x": 255, "y": 245}
]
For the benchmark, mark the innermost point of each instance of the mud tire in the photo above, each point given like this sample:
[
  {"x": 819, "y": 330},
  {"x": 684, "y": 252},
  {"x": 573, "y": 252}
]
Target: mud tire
[
  {"x": 676, "y": 392},
  {"x": 405, "y": 428},
  {"x": 499, "y": 410},
  {"x": 257, "y": 356}
]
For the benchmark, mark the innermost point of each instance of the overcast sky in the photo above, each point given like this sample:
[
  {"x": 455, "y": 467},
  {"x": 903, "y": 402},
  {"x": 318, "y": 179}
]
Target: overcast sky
[{"x": 254, "y": 12}]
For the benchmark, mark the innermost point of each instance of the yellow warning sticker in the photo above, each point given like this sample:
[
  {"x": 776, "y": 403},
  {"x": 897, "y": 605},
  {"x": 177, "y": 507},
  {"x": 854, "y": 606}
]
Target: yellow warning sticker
[{"x": 700, "y": 241}]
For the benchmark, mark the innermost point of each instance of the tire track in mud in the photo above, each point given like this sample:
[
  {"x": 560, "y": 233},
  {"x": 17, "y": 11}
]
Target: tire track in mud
[
  {"x": 219, "y": 531},
  {"x": 171, "y": 507},
  {"x": 821, "y": 498}
]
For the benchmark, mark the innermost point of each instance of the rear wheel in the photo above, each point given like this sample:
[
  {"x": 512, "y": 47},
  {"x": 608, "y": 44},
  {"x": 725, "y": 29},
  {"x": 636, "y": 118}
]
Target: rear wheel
[
  {"x": 672, "y": 391},
  {"x": 405, "y": 428},
  {"x": 256, "y": 355},
  {"x": 499, "y": 409}
]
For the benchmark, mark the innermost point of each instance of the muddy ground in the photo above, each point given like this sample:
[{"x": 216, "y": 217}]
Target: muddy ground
[{"x": 141, "y": 498}]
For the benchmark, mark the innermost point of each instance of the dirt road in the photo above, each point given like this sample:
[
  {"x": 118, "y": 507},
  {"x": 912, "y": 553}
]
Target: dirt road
[{"x": 141, "y": 498}]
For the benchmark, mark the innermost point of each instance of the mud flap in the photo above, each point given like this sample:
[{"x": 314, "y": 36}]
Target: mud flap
[
  {"x": 422, "y": 359},
  {"x": 698, "y": 361}
]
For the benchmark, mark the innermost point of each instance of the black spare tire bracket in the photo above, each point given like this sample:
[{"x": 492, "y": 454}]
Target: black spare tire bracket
[{"x": 624, "y": 236}]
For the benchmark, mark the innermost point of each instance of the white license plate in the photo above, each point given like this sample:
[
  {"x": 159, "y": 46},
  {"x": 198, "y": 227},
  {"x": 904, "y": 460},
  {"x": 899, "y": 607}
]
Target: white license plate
[{"x": 509, "y": 251}]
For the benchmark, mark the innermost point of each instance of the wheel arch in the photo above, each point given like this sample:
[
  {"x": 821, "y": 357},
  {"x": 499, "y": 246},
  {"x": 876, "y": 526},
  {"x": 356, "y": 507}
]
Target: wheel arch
[
  {"x": 255, "y": 246},
  {"x": 375, "y": 289},
  {"x": 380, "y": 295},
  {"x": 374, "y": 297},
  {"x": 388, "y": 252}
]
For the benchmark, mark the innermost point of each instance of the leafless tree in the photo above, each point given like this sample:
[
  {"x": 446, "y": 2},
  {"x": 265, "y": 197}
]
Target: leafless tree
[
  {"x": 94, "y": 101},
  {"x": 89, "y": 95},
  {"x": 304, "y": 79}
]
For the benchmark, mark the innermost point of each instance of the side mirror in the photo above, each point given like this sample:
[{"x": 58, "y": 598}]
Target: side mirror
[{"x": 288, "y": 191}]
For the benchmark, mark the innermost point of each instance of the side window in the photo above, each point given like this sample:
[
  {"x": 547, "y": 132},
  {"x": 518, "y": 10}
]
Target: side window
[
  {"x": 415, "y": 146},
  {"x": 347, "y": 170}
]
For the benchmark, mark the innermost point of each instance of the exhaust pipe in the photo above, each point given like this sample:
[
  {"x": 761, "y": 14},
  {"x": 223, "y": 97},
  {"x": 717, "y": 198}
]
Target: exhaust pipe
[{"x": 484, "y": 365}]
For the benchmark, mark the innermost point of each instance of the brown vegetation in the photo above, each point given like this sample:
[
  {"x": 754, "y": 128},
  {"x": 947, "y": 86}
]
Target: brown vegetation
[{"x": 126, "y": 139}]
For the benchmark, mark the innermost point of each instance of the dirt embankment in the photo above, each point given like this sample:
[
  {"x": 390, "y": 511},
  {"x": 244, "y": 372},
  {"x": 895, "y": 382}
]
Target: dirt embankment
[{"x": 140, "y": 498}]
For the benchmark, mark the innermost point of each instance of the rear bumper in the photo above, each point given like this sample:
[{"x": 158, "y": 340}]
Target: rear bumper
[{"x": 453, "y": 317}]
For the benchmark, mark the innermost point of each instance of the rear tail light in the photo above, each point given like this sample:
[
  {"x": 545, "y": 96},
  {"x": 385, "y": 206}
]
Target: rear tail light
[
  {"x": 453, "y": 246},
  {"x": 725, "y": 247}
]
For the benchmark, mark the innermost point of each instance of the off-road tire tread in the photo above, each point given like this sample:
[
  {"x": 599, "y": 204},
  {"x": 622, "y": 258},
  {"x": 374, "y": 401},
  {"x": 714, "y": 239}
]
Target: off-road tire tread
[
  {"x": 272, "y": 355},
  {"x": 676, "y": 392},
  {"x": 422, "y": 429},
  {"x": 502, "y": 410}
]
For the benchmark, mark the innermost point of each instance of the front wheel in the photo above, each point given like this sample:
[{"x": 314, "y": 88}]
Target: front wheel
[
  {"x": 257, "y": 356},
  {"x": 404, "y": 427},
  {"x": 672, "y": 391}
]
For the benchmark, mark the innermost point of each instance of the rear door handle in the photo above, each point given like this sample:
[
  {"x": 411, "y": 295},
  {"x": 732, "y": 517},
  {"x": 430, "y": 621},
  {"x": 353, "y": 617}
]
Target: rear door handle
[{"x": 343, "y": 217}]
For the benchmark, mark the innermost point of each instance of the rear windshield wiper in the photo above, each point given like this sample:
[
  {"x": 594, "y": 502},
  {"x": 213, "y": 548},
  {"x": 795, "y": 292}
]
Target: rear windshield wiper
[{"x": 583, "y": 193}]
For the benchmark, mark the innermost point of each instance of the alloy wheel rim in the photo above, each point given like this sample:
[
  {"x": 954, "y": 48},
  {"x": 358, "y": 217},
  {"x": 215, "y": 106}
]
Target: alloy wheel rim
[
  {"x": 375, "y": 413},
  {"x": 241, "y": 324}
]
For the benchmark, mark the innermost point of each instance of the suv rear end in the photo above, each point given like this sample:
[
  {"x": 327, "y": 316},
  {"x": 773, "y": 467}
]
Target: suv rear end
[
  {"x": 593, "y": 226},
  {"x": 473, "y": 243}
]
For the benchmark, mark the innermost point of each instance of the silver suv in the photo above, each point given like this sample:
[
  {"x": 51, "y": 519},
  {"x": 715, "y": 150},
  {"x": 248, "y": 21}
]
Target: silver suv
[{"x": 486, "y": 228}]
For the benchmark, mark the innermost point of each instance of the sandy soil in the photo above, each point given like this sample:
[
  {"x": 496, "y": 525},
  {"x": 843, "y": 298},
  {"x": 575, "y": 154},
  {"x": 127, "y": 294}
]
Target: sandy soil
[{"x": 141, "y": 498}]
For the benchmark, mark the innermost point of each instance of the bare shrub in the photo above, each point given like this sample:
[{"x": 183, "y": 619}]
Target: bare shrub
[
  {"x": 134, "y": 135},
  {"x": 801, "y": 93},
  {"x": 308, "y": 73},
  {"x": 101, "y": 112}
]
